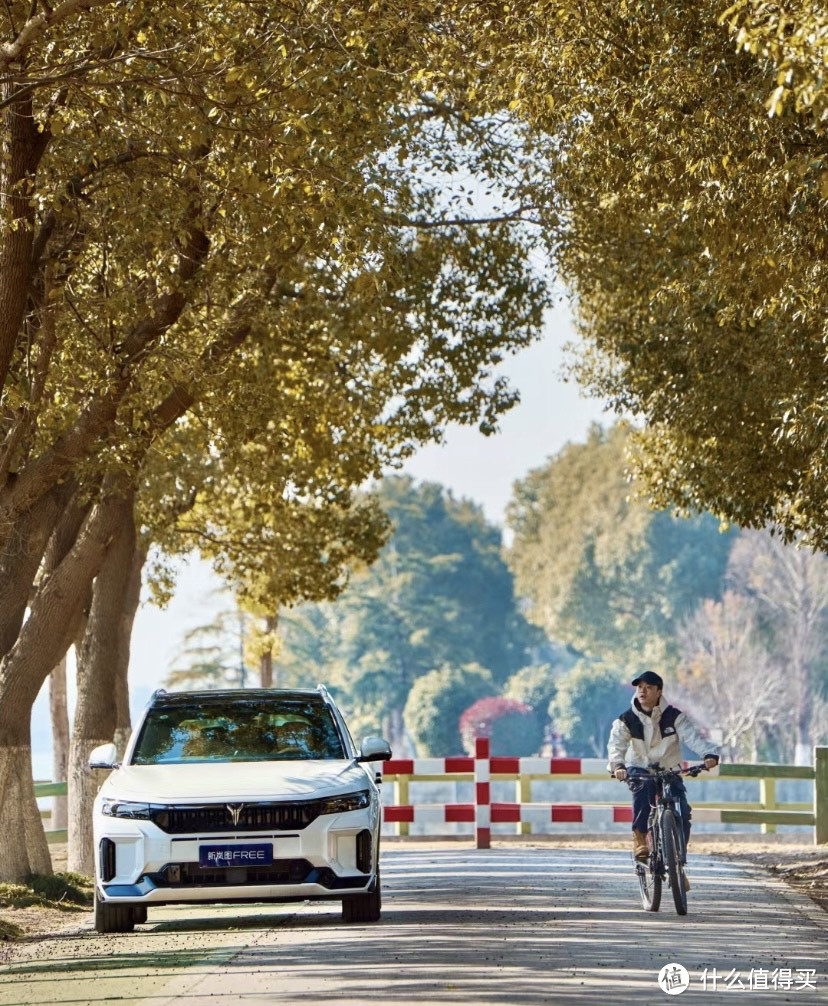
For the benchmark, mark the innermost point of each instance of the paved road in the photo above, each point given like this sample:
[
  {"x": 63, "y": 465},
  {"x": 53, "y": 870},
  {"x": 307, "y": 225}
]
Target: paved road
[{"x": 508, "y": 926}]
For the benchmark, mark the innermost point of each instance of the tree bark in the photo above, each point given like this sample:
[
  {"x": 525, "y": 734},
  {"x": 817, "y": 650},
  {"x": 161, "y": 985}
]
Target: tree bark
[
  {"x": 24, "y": 849},
  {"x": 44, "y": 638},
  {"x": 59, "y": 710},
  {"x": 131, "y": 600},
  {"x": 266, "y": 659},
  {"x": 22, "y": 149},
  {"x": 102, "y": 709},
  {"x": 20, "y": 561}
]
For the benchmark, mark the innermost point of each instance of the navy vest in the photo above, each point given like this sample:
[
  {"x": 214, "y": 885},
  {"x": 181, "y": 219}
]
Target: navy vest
[{"x": 667, "y": 724}]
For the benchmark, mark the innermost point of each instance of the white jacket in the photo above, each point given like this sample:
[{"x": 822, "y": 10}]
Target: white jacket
[{"x": 654, "y": 743}]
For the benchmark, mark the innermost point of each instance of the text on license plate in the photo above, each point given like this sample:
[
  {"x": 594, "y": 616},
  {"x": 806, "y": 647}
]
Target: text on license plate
[{"x": 238, "y": 854}]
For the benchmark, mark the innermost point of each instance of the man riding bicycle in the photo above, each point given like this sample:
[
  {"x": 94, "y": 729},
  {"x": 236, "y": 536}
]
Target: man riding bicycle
[{"x": 651, "y": 732}]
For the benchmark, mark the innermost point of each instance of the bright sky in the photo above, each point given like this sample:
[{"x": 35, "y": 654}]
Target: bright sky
[{"x": 550, "y": 414}]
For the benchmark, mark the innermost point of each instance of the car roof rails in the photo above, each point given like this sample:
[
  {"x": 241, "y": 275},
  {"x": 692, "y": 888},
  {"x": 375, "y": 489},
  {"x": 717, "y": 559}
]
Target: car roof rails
[
  {"x": 323, "y": 691},
  {"x": 157, "y": 694}
]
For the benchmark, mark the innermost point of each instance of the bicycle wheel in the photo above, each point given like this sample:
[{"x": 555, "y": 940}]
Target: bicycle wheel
[
  {"x": 649, "y": 880},
  {"x": 670, "y": 847}
]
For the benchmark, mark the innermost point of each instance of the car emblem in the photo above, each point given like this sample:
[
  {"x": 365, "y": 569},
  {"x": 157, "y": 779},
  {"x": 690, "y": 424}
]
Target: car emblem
[{"x": 235, "y": 812}]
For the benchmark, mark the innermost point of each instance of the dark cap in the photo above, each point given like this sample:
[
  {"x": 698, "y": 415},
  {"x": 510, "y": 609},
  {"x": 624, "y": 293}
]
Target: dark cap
[{"x": 649, "y": 678}]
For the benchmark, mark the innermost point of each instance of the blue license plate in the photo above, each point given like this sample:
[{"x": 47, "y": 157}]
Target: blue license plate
[{"x": 238, "y": 854}]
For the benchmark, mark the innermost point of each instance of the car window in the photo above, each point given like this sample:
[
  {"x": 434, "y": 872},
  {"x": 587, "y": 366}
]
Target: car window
[{"x": 283, "y": 730}]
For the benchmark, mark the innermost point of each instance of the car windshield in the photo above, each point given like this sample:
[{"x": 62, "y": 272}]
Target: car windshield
[{"x": 233, "y": 730}]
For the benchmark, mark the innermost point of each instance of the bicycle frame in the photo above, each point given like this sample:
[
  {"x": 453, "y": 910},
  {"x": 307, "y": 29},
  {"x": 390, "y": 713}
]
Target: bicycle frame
[{"x": 666, "y": 839}]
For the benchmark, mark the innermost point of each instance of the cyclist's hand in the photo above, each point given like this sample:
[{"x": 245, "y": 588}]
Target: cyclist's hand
[
  {"x": 710, "y": 762},
  {"x": 620, "y": 774}
]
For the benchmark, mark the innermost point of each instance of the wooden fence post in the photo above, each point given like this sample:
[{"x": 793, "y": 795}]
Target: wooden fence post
[
  {"x": 767, "y": 797},
  {"x": 402, "y": 798},
  {"x": 482, "y": 793},
  {"x": 821, "y": 795}
]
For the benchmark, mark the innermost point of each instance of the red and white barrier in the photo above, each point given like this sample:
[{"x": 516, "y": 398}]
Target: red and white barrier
[
  {"x": 482, "y": 769},
  {"x": 483, "y": 796},
  {"x": 505, "y": 813},
  {"x": 498, "y": 765},
  {"x": 483, "y": 813}
]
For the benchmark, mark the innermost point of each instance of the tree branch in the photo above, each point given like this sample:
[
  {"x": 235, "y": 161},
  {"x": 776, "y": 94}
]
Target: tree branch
[{"x": 35, "y": 27}]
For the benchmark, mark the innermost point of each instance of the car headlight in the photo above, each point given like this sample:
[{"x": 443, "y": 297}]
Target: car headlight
[
  {"x": 346, "y": 802},
  {"x": 126, "y": 808}
]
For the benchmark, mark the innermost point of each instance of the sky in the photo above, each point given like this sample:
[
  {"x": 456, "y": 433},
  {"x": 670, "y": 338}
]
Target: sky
[{"x": 551, "y": 413}]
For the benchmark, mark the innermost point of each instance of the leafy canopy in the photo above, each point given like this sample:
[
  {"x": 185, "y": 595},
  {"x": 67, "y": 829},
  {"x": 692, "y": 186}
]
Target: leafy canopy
[{"x": 603, "y": 572}]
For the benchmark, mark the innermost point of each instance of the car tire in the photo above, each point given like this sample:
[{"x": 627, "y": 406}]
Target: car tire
[
  {"x": 363, "y": 907},
  {"x": 114, "y": 918},
  {"x": 139, "y": 914}
]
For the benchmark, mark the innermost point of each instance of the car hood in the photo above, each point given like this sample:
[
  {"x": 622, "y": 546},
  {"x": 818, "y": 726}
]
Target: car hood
[{"x": 234, "y": 780}]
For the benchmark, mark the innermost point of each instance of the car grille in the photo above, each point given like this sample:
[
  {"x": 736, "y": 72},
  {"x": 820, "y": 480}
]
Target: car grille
[
  {"x": 203, "y": 819},
  {"x": 280, "y": 871}
]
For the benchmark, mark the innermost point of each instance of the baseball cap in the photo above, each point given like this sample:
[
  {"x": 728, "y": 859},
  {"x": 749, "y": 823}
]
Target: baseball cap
[{"x": 649, "y": 678}]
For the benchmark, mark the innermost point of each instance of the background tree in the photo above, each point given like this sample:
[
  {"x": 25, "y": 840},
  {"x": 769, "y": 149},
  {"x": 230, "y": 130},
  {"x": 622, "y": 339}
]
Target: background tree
[
  {"x": 535, "y": 685},
  {"x": 589, "y": 697},
  {"x": 728, "y": 678},
  {"x": 603, "y": 572},
  {"x": 440, "y": 593},
  {"x": 435, "y": 704},
  {"x": 790, "y": 587},
  {"x": 513, "y": 728},
  {"x": 214, "y": 655}
]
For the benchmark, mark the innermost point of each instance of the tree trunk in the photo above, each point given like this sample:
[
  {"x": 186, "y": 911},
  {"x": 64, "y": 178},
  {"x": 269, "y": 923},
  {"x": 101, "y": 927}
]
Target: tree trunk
[
  {"x": 131, "y": 600},
  {"x": 44, "y": 638},
  {"x": 22, "y": 149},
  {"x": 20, "y": 560},
  {"x": 59, "y": 711},
  {"x": 266, "y": 659},
  {"x": 24, "y": 849},
  {"x": 396, "y": 735},
  {"x": 102, "y": 709}
]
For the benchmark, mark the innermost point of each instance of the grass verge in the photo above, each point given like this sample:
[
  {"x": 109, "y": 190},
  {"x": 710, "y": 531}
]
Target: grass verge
[{"x": 58, "y": 892}]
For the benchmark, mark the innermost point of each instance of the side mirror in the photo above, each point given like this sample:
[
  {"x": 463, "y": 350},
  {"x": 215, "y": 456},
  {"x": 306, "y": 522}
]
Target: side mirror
[
  {"x": 105, "y": 756},
  {"x": 374, "y": 749}
]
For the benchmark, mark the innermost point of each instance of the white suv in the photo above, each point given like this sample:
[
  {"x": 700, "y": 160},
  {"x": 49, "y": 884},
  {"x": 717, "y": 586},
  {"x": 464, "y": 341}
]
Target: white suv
[{"x": 244, "y": 795}]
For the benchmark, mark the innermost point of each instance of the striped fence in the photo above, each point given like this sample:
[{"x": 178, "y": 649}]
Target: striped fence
[{"x": 482, "y": 769}]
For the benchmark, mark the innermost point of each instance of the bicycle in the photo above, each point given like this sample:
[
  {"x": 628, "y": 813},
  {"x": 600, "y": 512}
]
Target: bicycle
[{"x": 665, "y": 838}]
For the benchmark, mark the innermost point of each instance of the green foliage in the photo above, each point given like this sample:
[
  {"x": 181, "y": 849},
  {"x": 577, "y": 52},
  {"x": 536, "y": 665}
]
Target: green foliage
[
  {"x": 536, "y": 685},
  {"x": 238, "y": 270},
  {"x": 517, "y": 734},
  {"x": 435, "y": 704},
  {"x": 512, "y": 727},
  {"x": 685, "y": 152},
  {"x": 589, "y": 697},
  {"x": 605, "y": 573},
  {"x": 440, "y": 594}
]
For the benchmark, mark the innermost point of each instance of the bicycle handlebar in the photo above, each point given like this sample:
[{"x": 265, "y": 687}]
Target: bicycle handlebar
[{"x": 657, "y": 772}]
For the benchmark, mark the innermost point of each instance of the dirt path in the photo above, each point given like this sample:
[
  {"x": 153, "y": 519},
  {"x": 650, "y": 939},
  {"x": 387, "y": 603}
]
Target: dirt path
[
  {"x": 801, "y": 866},
  {"x": 526, "y": 922}
]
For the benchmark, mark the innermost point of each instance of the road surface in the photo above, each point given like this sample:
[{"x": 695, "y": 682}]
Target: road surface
[{"x": 505, "y": 926}]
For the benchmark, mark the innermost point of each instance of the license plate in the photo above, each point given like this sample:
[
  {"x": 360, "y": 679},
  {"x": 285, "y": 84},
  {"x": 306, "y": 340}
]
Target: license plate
[{"x": 237, "y": 854}]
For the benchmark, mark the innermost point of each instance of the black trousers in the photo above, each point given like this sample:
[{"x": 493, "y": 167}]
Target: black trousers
[{"x": 643, "y": 791}]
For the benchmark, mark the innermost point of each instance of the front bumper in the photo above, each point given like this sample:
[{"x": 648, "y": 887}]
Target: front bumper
[{"x": 335, "y": 855}]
